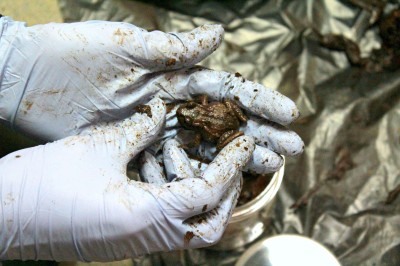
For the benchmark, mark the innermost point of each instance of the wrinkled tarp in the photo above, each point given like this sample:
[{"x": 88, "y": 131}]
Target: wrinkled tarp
[{"x": 350, "y": 119}]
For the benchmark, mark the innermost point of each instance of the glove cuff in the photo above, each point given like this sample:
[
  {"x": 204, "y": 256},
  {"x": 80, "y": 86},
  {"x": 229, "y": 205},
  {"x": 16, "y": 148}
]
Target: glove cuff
[{"x": 10, "y": 95}]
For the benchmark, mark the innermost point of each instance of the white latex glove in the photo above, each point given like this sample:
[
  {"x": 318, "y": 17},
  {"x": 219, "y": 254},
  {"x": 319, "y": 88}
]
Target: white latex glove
[
  {"x": 71, "y": 199},
  {"x": 59, "y": 79}
]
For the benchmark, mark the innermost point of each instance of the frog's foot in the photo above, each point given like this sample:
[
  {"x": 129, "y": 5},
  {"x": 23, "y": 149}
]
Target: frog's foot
[
  {"x": 233, "y": 107},
  {"x": 228, "y": 137}
]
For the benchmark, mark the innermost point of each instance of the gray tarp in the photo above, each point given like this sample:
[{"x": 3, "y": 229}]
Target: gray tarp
[{"x": 350, "y": 119}]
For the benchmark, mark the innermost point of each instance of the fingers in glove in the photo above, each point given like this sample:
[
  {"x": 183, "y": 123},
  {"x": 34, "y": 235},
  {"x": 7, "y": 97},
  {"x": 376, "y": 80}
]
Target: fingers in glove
[
  {"x": 267, "y": 134},
  {"x": 176, "y": 161},
  {"x": 207, "y": 228},
  {"x": 191, "y": 196},
  {"x": 274, "y": 137},
  {"x": 150, "y": 170},
  {"x": 198, "y": 167},
  {"x": 158, "y": 50},
  {"x": 123, "y": 140},
  {"x": 253, "y": 97},
  {"x": 262, "y": 160}
]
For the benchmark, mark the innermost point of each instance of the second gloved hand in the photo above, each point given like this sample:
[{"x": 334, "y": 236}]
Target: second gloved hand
[{"x": 71, "y": 199}]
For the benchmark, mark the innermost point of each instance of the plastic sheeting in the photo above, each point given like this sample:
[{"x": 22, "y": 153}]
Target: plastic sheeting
[{"x": 350, "y": 118}]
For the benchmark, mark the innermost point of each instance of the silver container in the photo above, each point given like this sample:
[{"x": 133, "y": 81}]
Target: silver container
[
  {"x": 274, "y": 251},
  {"x": 249, "y": 221}
]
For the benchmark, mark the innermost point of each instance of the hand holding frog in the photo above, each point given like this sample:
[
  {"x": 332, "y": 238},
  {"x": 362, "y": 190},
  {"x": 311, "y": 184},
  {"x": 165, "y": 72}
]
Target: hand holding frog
[
  {"x": 83, "y": 80},
  {"x": 60, "y": 79},
  {"x": 267, "y": 111},
  {"x": 71, "y": 199}
]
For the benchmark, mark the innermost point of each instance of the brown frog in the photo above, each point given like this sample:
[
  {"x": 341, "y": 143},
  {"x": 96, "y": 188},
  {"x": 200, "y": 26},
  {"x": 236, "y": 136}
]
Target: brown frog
[
  {"x": 216, "y": 122},
  {"x": 385, "y": 58}
]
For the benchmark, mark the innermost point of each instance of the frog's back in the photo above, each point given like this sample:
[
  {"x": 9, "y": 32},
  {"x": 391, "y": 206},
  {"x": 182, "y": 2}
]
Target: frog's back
[{"x": 218, "y": 120}]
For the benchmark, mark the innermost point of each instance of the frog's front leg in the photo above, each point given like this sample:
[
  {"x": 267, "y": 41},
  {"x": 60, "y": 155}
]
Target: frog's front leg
[
  {"x": 228, "y": 137},
  {"x": 201, "y": 99},
  {"x": 193, "y": 143}
]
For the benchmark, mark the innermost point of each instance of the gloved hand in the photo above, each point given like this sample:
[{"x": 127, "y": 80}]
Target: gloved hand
[
  {"x": 60, "y": 79},
  {"x": 71, "y": 199},
  {"x": 64, "y": 79}
]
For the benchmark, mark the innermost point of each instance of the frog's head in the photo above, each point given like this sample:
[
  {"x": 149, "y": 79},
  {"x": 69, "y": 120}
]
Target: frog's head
[{"x": 187, "y": 114}]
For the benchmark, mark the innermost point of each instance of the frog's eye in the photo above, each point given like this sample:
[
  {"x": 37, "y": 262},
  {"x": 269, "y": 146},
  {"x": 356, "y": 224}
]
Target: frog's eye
[
  {"x": 191, "y": 105},
  {"x": 187, "y": 120}
]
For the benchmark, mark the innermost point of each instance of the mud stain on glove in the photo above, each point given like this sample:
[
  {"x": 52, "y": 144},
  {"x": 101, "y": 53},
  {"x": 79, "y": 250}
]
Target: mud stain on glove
[
  {"x": 121, "y": 35},
  {"x": 188, "y": 236},
  {"x": 144, "y": 109}
]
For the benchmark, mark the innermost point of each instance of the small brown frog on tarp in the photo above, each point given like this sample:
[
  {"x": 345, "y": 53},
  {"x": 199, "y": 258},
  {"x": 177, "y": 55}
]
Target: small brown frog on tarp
[
  {"x": 385, "y": 58},
  {"x": 216, "y": 122}
]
